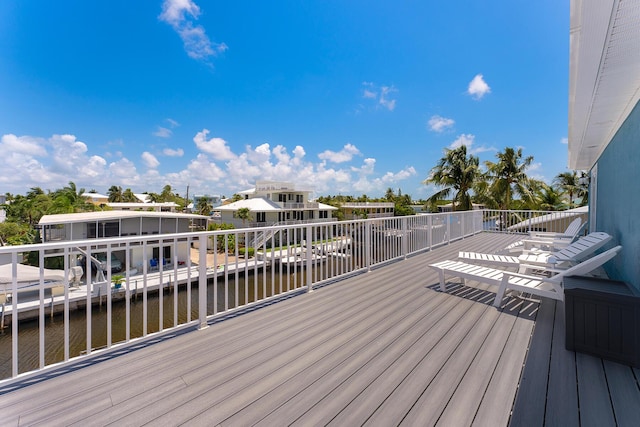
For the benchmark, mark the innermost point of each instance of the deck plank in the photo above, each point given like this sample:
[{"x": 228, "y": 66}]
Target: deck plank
[
  {"x": 625, "y": 394},
  {"x": 562, "y": 392},
  {"x": 498, "y": 397},
  {"x": 592, "y": 388},
  {"x": 529, "y": 407}
]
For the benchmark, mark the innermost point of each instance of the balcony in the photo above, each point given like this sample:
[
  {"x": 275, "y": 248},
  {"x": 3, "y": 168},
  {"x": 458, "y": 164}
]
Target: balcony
[{"x": 366, "y": 338}]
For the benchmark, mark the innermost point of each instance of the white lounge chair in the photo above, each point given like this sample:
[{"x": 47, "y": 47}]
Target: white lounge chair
[
  {"x": 548, "y": 240},
  {"x": 550, "y": 287},
  {"x": 536, "y": 259}
]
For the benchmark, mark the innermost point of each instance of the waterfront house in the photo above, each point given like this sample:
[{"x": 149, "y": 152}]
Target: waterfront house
[
  {"x": 95, "y": 225},
  {"x": 358, "y": 210},
  {"x": 274, "y": 202},
  {"x": 96, "y": 198},
  {"x": 604, "y": 121}
]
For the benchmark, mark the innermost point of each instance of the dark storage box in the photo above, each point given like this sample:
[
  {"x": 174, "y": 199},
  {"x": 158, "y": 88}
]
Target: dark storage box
[{"x": 602, "y": 318}]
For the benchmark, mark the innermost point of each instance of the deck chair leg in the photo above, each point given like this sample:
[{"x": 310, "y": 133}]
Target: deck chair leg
[
  {"x": 443, "y": 287},
  {"x": 501, "y": 291}
]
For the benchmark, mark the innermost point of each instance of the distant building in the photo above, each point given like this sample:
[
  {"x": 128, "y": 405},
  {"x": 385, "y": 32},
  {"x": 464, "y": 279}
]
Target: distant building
[
  {"x": 144, "y": 206},
  {"x": 94, "y": 225},
  {"x": 96, "y": 198},
  {"x": 274, "y": 202},
  {"x": 449, "y": 207},
  {"x": 361, "y": 210}
]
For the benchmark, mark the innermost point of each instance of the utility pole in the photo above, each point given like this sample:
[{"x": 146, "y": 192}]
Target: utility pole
[{"x": 186, "y": 199}]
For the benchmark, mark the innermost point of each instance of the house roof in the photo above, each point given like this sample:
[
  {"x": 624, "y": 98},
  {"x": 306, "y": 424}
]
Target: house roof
[
  {"x": 95, "y": 195},
  {"x": 256, "y": 204},
  {"x": 141, "y": 205},
  {"x": 261, "y": 204},
  {"x": 604, "y": 75},
  {"x": 111, "y": 215}
]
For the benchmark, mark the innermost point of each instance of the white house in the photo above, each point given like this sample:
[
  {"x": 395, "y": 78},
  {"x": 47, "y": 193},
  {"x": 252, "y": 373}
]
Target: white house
[
  {"x": 93, "y": 225},
  {"x": 358, "y": 210},
  {"x": 273, "y": 202}
]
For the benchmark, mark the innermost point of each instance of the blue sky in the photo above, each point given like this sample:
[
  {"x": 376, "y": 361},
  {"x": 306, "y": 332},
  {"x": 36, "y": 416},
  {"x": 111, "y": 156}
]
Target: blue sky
[{"x": 343, "y": 97}]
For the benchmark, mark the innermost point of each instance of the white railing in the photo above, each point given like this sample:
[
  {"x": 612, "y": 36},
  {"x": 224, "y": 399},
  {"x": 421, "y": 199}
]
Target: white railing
[
  {"x": 524, "y": 221},
  {"x": 60, "y": 318}
]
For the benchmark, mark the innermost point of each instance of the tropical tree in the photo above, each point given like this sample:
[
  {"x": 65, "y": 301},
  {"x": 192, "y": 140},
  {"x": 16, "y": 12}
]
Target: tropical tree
[
  {"x": 70, "y": 199},
  {"x": 549, "y": 199},
  {"x": 583, "y": 188},
  {"x": 204, "y": 207},
  {"x": 455, "y": 172},
  {"x": 567, "y": 182},
  {"x": 115, "y": 194},
  {"x": 244, "y": 214},
  {"x": 389, "y": 195},
  {"x": 508, "y": 177},
  {"x": 128, "y": 196}
]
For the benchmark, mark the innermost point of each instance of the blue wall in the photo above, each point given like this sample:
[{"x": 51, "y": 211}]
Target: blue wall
[{"x": 618, "y": 198}]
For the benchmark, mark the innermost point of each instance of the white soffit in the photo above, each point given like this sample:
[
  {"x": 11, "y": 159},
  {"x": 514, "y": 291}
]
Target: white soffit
[{"x": 604, "y": 74}]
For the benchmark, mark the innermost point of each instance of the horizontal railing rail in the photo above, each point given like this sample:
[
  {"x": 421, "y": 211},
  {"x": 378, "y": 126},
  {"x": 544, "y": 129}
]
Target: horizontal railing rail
[{"x": 77, "y": 307}]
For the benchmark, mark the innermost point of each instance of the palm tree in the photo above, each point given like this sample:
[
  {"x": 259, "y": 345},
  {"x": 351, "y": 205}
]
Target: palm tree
[
  {"x": 568, "y": 183},
  {"x": 455, "y": 172},
  {"x": 508, "y": 177},
  {"x": 550, "y": 199},
  {"x": 204, "y": 207},
  {"x": 583, "y": 188},
  {"x": 244, "y": 214},
  {"x": 115, "y": 194},
  {"x": 128, "y": 196},
  {"x": 70, "y": 199}
]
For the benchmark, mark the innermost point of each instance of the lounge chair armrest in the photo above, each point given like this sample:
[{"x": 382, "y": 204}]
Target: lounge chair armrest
[{"x": 508, "y": 274}]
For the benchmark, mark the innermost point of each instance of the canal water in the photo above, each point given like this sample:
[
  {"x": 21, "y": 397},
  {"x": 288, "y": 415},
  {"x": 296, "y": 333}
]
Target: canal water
[{"x": 251, "y": 287}]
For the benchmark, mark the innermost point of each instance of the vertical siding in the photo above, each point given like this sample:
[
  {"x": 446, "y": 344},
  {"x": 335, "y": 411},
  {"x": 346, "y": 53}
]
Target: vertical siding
[{"x": 618, "y": 199}]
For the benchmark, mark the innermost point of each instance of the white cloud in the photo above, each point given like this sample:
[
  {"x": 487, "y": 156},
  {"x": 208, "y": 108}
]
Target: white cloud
[
  {"x": 366, "y": 93},
  {"x": 478, "y": 88},
  {"x": 181, "y": 15},
  {"x": 163, "y": 132},
  {"x": 385, "y": 101},
  {"x": 344, "y": 155},
  {"x": 150, "y": 160},
  {"x": 564, "y": 140},
  {"x": 170, "y": 152},
  {"x": 464, "y": 139},
  {"x": 440, "y": 124},
  {"x": 214, "y": 169},
  {"x": 381, "y": 95},
  {"x": 11, "y": 143},
  {"x": 217, "y": 147},
  {"x": 172, "y": 123},
  {"x": 124, "y": 172}
]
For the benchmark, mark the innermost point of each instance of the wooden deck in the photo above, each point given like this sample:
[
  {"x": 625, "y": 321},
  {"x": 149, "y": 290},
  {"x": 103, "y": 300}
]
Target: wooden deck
[{"x": 382, "y": 348}]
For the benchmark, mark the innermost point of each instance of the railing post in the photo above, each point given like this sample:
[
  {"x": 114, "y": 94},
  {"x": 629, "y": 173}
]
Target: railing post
[
  {"x": 309, "y": 257},
  {"x": 463, "y": 229},
  {"x": 405, "y": 236},
  {"x": 202, "y": 282},
  {"x": 367, "y": 245},
  {"x": 449, "y": 217},
  {"x": 430, "y": 232}
]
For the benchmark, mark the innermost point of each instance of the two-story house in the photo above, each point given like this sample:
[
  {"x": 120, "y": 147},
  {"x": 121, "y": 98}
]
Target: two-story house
[{"x": 273, "y": 202}]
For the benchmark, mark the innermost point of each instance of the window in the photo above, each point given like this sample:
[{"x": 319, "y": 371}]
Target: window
[{"x": 261, "y": 216}]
